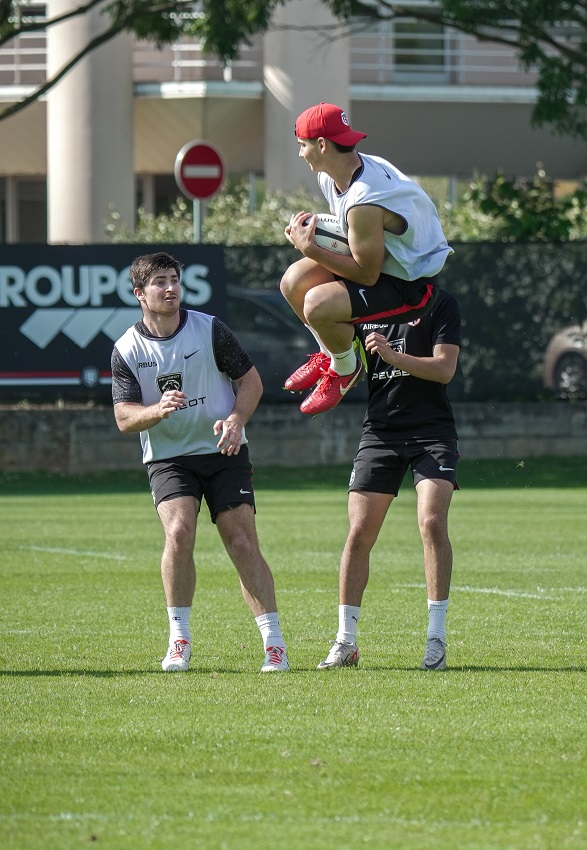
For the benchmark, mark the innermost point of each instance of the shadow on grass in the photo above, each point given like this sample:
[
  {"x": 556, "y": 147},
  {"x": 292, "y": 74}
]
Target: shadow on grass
[
  {"x": 217, "y": 671},
  {"x": 480, "y": 668},
  {"x": 543, "y": 472},
  {"x": 112, "y": 674}
]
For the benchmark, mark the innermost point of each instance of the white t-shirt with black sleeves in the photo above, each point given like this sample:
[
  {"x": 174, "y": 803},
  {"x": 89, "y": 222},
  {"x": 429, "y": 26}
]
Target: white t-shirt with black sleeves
[
  {"x": 422, "y": 249},
  {"x": 202, "y": 359}
]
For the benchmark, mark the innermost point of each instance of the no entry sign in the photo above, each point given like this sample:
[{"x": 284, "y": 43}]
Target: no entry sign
[{"x": 199, "y": 170}]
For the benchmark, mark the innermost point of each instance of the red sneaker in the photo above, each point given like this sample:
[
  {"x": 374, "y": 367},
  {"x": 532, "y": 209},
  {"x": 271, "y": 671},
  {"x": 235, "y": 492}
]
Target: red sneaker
[
  {"x": 307, "y": 375},
  {"x": 331, "y": 390}
]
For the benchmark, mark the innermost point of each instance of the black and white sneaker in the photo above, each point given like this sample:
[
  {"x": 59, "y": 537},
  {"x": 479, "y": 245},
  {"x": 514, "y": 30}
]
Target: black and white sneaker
[
  {"x": 434, "y": 655},
  {"x": 341, "y": 655}
]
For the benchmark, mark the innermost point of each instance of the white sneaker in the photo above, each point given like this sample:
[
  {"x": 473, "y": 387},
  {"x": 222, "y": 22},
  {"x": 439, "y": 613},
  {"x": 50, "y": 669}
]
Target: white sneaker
[
  {"x": 178, "y": 656},
  {"x": 275, "y": 659},
  {"x": 341, "y": 655}
]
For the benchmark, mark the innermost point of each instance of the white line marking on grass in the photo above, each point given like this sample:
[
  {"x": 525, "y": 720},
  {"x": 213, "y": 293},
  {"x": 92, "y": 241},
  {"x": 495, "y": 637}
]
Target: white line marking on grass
[
  {"x": 114, "y": 556},
  {"x": 518, "y": 594},
  {"x": 73, "y": 816},
  {"x": 543, "y": 593}
]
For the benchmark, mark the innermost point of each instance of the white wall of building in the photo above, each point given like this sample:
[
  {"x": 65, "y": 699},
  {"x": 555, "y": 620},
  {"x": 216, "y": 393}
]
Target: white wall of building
[
  {"x": 300, "y": 69},
  {"x": 89, "y": 130}
]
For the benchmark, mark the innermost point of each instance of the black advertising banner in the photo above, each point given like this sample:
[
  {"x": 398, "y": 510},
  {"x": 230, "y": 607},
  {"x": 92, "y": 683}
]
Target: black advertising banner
[{"x": 62, "y": 308}]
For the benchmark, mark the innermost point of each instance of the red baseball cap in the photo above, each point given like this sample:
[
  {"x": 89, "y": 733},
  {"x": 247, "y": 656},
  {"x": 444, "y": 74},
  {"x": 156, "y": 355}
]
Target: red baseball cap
[{"x": 328, "y": 121}]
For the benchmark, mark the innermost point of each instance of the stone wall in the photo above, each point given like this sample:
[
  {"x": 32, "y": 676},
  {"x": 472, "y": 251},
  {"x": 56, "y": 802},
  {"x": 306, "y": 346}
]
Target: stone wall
[{"x": 78, "y": 440}]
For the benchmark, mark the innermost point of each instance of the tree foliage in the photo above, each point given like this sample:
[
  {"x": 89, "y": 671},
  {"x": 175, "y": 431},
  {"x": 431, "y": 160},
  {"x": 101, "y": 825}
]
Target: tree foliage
[
  {"x": 496, "y": 210},
  {"x": 528, "y": 211},
  {"x": 549, "y": 37},
  {"x": 231, "y": 218}
]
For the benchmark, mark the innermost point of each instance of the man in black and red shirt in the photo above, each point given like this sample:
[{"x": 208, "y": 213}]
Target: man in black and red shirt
[{"x": 409, "y": 424}]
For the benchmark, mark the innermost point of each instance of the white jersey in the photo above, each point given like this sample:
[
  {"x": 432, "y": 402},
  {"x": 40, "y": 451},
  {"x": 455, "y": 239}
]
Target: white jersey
[
  {"x": 186, "y": 362},
  {"x": 422, "y": 249}
]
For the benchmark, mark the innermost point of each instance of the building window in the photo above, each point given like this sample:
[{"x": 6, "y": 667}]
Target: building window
[
  {"x": 32, "y": 210},
  {"x": 406, "y": 50},
  {"x": 23, "y": 210},
  {"x": 419, "y": 52}
]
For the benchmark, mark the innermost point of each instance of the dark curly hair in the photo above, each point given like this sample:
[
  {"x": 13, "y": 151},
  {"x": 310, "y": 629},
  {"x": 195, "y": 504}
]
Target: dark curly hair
[{"x": 143, "y": 267}]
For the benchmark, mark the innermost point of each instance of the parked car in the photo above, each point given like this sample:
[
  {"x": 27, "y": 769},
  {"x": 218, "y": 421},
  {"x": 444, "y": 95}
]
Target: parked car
[
  {"x": 275, "y": 339},
  {"x": 272, "y": 335},
  {"x": 564, "y": 369}
]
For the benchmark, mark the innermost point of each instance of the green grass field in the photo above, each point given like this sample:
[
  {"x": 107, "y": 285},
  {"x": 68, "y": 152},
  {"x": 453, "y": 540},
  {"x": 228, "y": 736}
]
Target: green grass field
[{"x": 98, "y": 745}]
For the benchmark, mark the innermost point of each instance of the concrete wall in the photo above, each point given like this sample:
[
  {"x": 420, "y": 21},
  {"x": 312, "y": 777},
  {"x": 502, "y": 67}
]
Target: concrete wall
[{"x": 78, "y": 440}]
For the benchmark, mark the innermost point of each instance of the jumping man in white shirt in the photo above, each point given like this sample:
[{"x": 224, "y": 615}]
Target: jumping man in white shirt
[{"x": 397, "y": 251}]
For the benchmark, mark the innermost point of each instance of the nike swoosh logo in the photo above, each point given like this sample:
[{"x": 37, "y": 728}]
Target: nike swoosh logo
[
  {"x": 362, "y": 294},
  {"x": 186, "y": 356},
  {"x": 351, "y": 384},
  {"x": 244, "y": 492},
  {"x": 445, "y": 469}
]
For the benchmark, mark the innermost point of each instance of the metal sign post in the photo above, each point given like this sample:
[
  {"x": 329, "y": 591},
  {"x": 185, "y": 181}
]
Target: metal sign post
[{"x": 197, "y": 221}]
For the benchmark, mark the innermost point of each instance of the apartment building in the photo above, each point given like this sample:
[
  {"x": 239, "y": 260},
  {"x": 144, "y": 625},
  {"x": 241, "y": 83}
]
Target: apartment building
[{"x": 435, "y": 102}]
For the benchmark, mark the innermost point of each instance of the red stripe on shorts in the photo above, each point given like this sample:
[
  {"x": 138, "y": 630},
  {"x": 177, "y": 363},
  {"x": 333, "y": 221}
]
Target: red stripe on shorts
[{"x": 405, "y": 308}]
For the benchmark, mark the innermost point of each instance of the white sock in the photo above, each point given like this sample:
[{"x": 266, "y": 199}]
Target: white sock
[
  {"x": 321, "y": 345},
  {"x": 348, "y": 618},
  {"x": 270, "y": 630},
  {"x": 344, "y": 363},
  {"x": 179, "y": 624},
  {"x": 437, "y": 619}
]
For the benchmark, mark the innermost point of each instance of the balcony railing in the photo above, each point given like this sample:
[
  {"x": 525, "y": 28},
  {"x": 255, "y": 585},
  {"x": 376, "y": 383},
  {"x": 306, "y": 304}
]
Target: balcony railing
[
  {"x": 23, "y": 61},
  {"x": 383, "y": 56},
  {"x": 418, "y": 56}
]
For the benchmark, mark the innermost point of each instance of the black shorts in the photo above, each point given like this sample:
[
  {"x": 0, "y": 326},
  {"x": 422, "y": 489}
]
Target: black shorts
[
  {"x": 381, "y": 468},
  {"x": 393, "y": 298},
  {"x": 225, "y": 481}
]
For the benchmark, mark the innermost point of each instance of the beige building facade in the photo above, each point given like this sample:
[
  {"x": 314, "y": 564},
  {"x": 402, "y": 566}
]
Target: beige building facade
[{"x": 436, "y": 103}]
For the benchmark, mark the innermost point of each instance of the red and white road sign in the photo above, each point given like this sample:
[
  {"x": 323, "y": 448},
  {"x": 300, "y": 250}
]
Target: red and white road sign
[{"x": 199, "y": 170}]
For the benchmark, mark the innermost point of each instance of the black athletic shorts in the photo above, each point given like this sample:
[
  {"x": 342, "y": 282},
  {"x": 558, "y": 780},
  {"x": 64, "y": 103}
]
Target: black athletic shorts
[
  {"x": 225, "y": 481},
  {"x": 393, "y": 298},
  {"x": 381, "y": 468}
]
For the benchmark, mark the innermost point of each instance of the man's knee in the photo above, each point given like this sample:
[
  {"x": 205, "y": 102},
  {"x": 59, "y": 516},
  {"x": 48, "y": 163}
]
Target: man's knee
[
  {"x": 288, "y": 281},
  {"x": 362, "y": 538},
  {"x": 180, "y": 535},
  {"x": 433, "y": 526},
  {"x": 329, "y": 303}
]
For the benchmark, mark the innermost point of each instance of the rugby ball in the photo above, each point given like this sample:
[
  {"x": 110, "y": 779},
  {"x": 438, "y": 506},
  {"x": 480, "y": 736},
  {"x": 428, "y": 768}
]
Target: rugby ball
[{"x": 330, "y": 235}]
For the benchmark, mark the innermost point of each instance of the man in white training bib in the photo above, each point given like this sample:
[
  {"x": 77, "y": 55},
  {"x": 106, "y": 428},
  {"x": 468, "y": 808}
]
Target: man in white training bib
[
  {"x": 397, "y": 252},
  {"x": 172, "y": 382}
]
